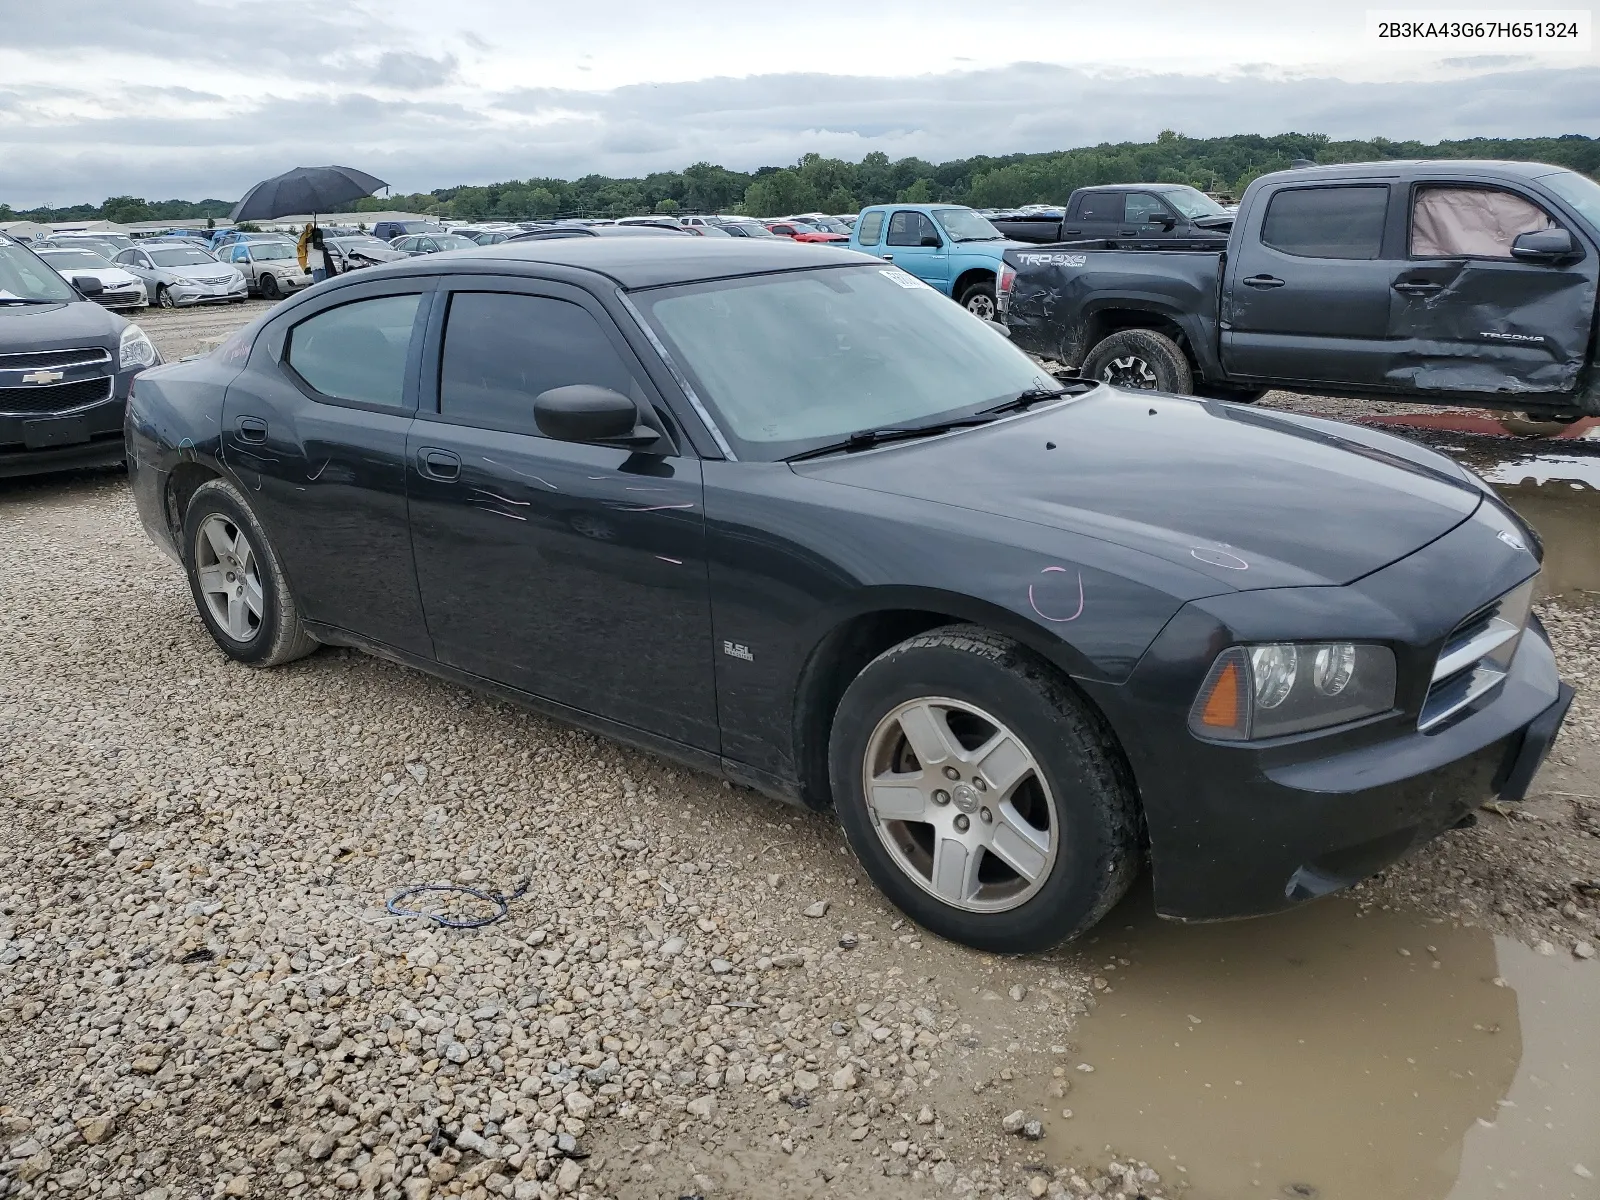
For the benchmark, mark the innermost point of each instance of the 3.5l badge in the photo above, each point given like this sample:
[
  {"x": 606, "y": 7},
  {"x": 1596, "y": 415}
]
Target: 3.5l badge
[{"x": 738, "y": 650}]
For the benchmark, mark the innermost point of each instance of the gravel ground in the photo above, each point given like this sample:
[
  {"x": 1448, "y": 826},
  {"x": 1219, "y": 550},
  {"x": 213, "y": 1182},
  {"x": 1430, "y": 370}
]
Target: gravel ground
[
  {"x": 699, "y": 994},
  {"x": 180, "y": 332}
]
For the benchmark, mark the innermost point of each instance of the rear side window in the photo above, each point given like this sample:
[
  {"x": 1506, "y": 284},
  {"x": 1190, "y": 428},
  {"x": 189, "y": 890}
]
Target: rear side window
[
  {"x": 1101, "y": 206},
  {"x": 501, "y": 350},
  {"x": 357, "y": 351},
  {"x": 1327, "y": 222},
  {"x": 1453, "y": 222},
  {"x": 909, "y": 228},
  {"x": 870, "y": 228}
]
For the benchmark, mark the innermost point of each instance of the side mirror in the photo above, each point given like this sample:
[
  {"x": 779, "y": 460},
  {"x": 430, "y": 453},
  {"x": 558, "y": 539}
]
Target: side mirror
[
  {"x": 1543, "y": 245},
  {"x": 582, "y": 412},
  {"x": 930, "y": 239},
  {"x": 997, "y": 327},
  {"x": 88, "y": 285}
]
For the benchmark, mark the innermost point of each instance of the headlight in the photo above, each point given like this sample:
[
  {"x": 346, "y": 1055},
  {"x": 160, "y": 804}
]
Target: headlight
[
  {"x": 136, "y": 350},
  {"x": 1268, "y": 691},
  {"x": 184, "y": 280}
]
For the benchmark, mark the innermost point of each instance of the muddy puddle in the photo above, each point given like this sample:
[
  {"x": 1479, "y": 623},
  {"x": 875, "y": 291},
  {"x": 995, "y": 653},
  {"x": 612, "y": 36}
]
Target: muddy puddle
[
  {"x": 1559, "y": 495},
  {"x": 1330, "y": 1054}
]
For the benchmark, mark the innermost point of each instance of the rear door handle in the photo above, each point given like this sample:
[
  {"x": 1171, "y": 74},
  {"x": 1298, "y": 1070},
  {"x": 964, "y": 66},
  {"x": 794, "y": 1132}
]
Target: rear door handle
[
  {"x": 1418, "y": 287},
  {"x": 1264, "y": 281},
  {"x": 442, "y": 465},
  {"x": 251, "y": 429}
]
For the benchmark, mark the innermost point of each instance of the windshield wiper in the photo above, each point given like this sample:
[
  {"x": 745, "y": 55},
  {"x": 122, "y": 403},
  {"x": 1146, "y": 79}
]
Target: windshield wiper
[
  {"x": 1031, "y": 396},
  {"x": 992, "y": 237},
  {"x": 867, "y": 438},
  {"x": 28, "y": 300}
]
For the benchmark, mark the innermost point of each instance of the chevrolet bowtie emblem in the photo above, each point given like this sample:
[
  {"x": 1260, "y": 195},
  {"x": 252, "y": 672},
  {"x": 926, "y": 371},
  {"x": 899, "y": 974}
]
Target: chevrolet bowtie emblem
[{"x": 44, "y": 377}]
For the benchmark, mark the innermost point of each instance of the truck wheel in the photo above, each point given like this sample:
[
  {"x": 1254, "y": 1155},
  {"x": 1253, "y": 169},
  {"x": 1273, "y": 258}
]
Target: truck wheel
[
  {"x": 985, "y": 799},
  {"x": 979, "y": 300},
  {"x": 1142, "y": 360}
]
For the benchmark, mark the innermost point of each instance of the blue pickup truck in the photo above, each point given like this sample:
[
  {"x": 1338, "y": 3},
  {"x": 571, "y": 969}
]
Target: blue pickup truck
[{"x": 947, "y": 246}]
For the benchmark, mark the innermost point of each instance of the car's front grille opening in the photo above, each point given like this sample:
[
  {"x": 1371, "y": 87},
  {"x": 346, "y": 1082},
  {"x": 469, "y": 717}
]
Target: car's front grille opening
[
  {"x": 85, "y": 356},
  {"x": 59, "y": 398},
  {"x": 1476, "y": 658}
]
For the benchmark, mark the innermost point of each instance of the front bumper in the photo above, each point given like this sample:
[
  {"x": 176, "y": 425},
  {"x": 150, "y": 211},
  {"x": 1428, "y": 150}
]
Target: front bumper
[
  {"x": 185, "y": 294},
  {"x": 1241, "y": 830},
  {"x": 96, "y": 433}
]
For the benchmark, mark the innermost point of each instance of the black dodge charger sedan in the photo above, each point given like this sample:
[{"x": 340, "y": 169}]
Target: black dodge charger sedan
[{"x": 786, "y": 513}]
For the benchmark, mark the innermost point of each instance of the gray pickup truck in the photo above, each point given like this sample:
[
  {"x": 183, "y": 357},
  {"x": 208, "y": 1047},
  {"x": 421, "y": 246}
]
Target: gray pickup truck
[
  {"x": 1132, "y": 215},
  {"x": 1449, "y": 282}
]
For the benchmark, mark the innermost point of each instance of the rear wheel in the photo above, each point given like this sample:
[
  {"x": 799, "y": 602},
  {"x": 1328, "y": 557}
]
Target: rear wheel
[
  {"x": 1141, "y": 360},
  {"x": 269, "y": 287},
  {"x": 981, "y": 794},
  {"x": 978, "y": 299},
  {"x": 237, "y": 583}
]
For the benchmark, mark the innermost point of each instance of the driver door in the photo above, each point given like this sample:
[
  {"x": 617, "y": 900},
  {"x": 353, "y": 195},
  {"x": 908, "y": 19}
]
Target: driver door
[{"x": 908, "y": 247}]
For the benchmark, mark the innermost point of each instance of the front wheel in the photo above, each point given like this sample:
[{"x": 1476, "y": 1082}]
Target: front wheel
[
  {"x": 269, "y": 287},
  {"x": 237, "y": 583},
  {"x": 978, "y": 300},
  {"x": 164, "y": 297},
  {"x": 984, "y": 798},
  {"x": 1141, "y": 360}
]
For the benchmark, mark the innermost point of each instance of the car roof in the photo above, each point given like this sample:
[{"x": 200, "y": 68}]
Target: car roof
[
  {"x": 655, "y": 262},
  {"x": 1420, "y": 166}
]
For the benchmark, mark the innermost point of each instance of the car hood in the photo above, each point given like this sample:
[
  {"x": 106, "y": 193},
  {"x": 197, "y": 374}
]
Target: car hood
[
  {"x": 109, "y": 277},
  {"x": 65, "y": 326},
  {"x": 1240, "y": 495},
  {"x": 210, "y": 272}
]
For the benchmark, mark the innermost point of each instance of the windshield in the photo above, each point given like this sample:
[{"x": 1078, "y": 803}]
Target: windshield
[
  {"x": 362, "y": 243},
  {"x": 263, "y": 250},
  {"x": 181, "y": 257},
  {"x": 23, "y": 277},
  {"x": 795, "y": 361},
  {"x": 1577, "y": 190},
  {"x": 104, "y": 249},
  {"x": 1191, "y": 202},
  {"x": 749, "y": 229},
  {"x": 829, "y": 224},
  {"x": 964, "y": 225},
  {"x": 73, "y": 258},
  {"x": 450, "y": 241}
]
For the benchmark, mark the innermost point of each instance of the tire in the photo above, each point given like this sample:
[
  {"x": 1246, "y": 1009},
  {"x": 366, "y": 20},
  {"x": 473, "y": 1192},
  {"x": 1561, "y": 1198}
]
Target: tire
[
  {"x": 266, "y": 633},
  {"x": 1142, "y": 360},
  {"x": 1070, "y": 798},
  {"x": 164, "y": 297},
  {"x": 978, "y": 299},
  {"x": 269, "y": 287}
]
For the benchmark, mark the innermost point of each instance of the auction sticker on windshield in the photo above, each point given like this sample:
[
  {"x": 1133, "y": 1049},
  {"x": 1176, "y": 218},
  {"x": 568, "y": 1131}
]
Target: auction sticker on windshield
[{"x": 904, "y": 278}]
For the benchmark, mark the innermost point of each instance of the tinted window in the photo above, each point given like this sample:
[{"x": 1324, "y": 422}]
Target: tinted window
[
  {"x": 1327, "y": 222},
  {"x": 357, "y": 351},
  {"x": 909, "y": 228},
  {"x": 1141, "y": 206},
  {"x": 1101, "y": 206},
  {"x": 502, "y": 350}
]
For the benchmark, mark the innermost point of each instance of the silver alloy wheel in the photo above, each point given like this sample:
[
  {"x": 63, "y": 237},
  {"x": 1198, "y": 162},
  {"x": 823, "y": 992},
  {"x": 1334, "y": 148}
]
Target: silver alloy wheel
[
  {"x": 164, "y": 298},
  {"x": 1130, "y": 371},
  {"x": 960, "y": 804},
  {"x": 982, "y": 305},
  {"x": 230, "y": 577}
]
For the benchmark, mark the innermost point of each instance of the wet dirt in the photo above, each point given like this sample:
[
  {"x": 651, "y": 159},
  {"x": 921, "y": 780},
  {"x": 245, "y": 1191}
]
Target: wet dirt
[
  {"x": 1333, "y": 1054},
  {"x": 1559, "y": 495}
]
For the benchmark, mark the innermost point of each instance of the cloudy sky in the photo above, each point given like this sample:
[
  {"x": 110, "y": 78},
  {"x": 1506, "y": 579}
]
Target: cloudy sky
[{"x": 198, "y": 98}]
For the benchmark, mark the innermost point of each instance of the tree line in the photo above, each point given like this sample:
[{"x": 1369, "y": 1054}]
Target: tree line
[{"x": 1223, "y": 165}]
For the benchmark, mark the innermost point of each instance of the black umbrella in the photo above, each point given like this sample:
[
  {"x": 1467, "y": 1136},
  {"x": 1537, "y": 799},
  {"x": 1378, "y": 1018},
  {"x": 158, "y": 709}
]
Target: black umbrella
[{"x": 305, "y": 190}]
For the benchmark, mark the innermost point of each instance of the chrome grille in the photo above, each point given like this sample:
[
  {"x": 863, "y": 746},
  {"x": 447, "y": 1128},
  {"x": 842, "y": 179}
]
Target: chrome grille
[
  {"x": 85, "y": 356},
  {"x": 60, "y": 398},
  {"x": 1476, "y": 657}
]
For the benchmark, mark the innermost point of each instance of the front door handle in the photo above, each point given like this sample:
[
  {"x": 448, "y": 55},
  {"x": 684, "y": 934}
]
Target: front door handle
[
  {"x": 443, "y": 465},
  {"x": 1264, "y": 281},
  {"x": 1129, "y": 232},
  {"x": 888, "y": 258},
  {"x": 251, "y": 429},
  {"x": 1417, "y": 287},
  {"x": 1072, "y": 231}
]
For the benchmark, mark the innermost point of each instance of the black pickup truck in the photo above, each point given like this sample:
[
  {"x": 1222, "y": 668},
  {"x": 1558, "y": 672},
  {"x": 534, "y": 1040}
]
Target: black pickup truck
[
  {"x": 1449, "y": 282},
  {"x": 1131, "y": 215}
]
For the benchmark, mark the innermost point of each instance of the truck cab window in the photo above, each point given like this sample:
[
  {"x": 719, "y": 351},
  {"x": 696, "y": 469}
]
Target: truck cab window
[
  {"x": 1142, "y": 206},
  {"x": 1327, "y": 222},
  {"x": 1102, "y": 206},
  {"x": 1470, "y": 222}
]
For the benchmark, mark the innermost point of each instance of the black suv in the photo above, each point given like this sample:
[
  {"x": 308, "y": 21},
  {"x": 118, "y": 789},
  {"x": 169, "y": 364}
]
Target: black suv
[{"x": 66, "y": 366}]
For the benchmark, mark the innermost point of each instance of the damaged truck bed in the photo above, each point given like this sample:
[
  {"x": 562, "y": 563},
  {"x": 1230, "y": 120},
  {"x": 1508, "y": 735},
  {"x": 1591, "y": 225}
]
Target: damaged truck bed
[{"x": 1463, "y": 283}]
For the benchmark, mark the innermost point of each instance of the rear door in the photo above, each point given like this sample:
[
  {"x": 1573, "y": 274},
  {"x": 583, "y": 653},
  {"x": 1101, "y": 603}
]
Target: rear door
[
  {"x": 1465, "y": 316},
  {"x": 913, "y": 243},
  {"x": 1096, "y": 215},
  {"x": 573, "y": 572},
  {"x": 1307, "y": 289},
  {"x": 314, "y": 429}
]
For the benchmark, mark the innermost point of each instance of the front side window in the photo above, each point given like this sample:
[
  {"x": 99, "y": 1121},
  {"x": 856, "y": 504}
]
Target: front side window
[
  {"x": 1470, "y": 222},
  {"x": 1141, "y": 207},
  {"x": 870, "y": 228},
  {"x": 358, "y": 350},
  {"x": 1327, "y": 222},
  {"x": 501, "y": 350},
  {"x": 800, "y": 359},
  {"x": 909, "y": 228}
]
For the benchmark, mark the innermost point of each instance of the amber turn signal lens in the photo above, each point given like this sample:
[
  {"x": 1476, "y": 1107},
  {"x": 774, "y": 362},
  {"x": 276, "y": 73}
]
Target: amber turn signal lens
[
  {"x": 1222, "y": 705},
  {"x": 1222, "y": 709}
]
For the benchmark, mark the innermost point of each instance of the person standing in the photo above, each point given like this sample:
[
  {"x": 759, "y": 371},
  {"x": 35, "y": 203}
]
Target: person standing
[{"x": 314, "y": 254}]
